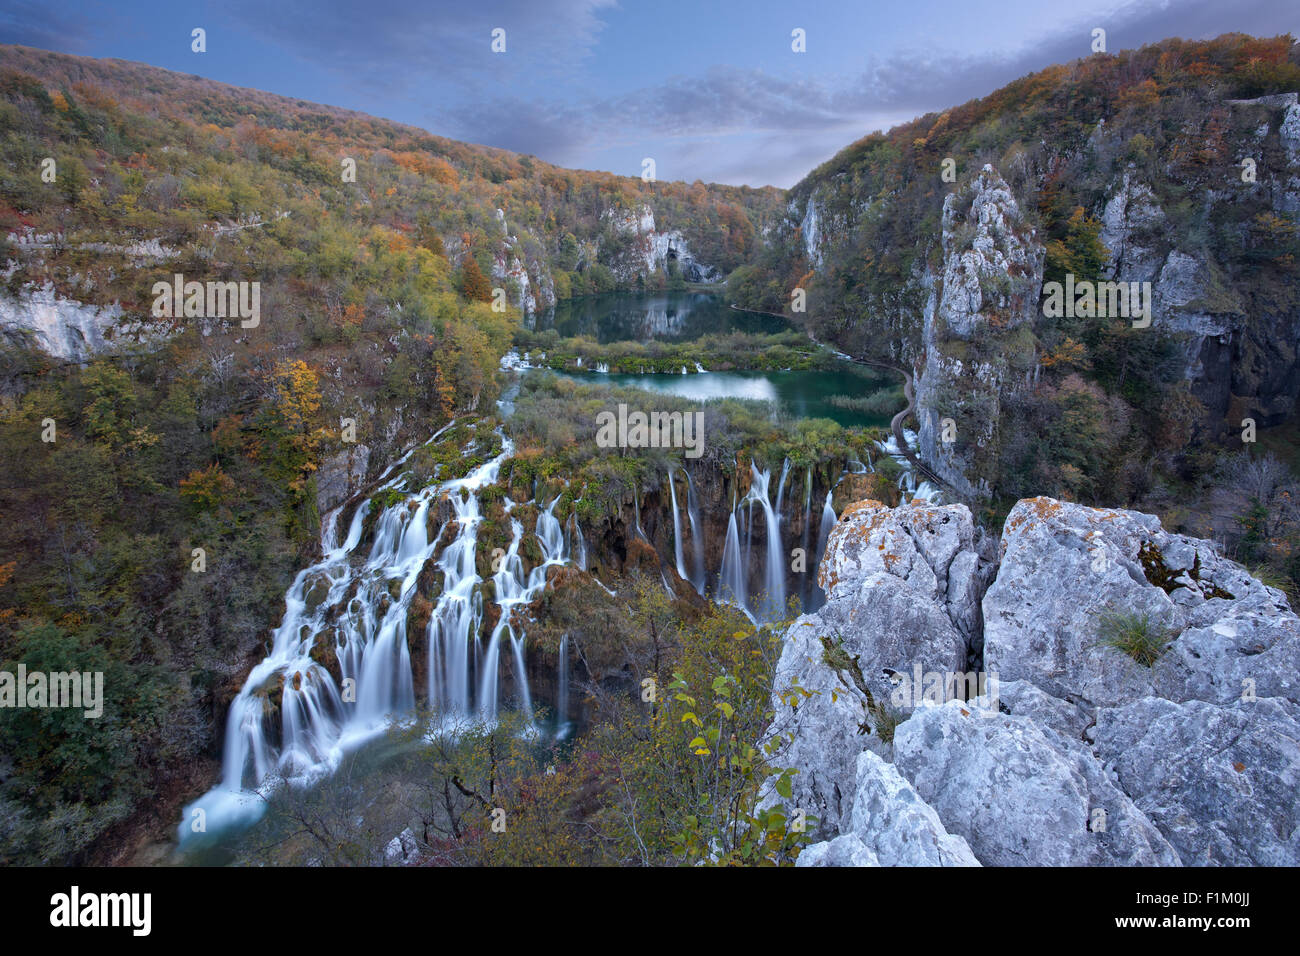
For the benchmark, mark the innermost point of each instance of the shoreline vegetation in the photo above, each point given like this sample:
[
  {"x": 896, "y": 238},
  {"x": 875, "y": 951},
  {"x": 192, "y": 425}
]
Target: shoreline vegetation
[{"x": 736, "y": 351}]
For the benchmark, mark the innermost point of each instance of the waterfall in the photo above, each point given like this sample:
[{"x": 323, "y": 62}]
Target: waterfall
[
  {"x": 810, "y": 563},
  {"x": 636, "y": 505},
  {"x": 780, "y": 488},
  {"x": 773, "y": 604},
  {"x": 354, "y": 610},
  {"x": 828, "y": 522},
  {"x": 507, "y": 588},
  {"x": 697, "y": 540},
  {"x": 677, "y": 529},
  {"x": 577, "y": 544},
  {"x": 521, "y": 676},
  {"x": 551, "y": 537},
  {"x": 907, "y": 479},
  {"x": 562, "y": 689},
  {"x": 731, "y": 576},
  {"x": 455, "y": 620},
  {"x": 926, "y": 491},
  {"x": 823, "y": 535}
]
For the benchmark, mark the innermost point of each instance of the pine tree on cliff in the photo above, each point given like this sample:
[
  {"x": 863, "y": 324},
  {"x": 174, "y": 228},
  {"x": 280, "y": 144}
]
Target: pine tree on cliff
[{"x": 473, "y": 284}]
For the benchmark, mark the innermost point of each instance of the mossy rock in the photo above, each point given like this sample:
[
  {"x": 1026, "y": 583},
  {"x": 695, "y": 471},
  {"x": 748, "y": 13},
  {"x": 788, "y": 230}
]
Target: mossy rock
[
  {"x": 271, "y": 692},
  {"x": 324, "y": 650},
  {"x": 317, "y": 590},
  {"x": 530, "y": 549},
  {"x": 1162, "y": 576},
  {"x": 418, "y": 614}
]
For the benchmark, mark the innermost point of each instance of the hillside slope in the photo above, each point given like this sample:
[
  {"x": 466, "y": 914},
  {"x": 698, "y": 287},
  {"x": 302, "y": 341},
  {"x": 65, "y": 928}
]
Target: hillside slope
[
  {"x": 933, "y": 247},
  {"x": 165, "y": 477}
]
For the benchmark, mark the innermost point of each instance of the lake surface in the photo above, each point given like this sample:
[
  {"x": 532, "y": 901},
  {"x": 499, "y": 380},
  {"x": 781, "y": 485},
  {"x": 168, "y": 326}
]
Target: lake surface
[
  {"x": 642, "y": 317},
  {"x": 802, "y": 394},
  {"x": 684, "y": 316}
]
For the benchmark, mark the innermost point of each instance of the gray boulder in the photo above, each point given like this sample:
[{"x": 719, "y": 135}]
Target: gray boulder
[
  {"x": 1219, "y": 781},
  {"x": 890, "y": 592},
  {"x": 890, "y": 826},
  {"x": 847, "y": 850},
  {"x": 1064, "y": 566},
  {"x": 1018, "y": 795},
  {"x": 401, "y": 849}
]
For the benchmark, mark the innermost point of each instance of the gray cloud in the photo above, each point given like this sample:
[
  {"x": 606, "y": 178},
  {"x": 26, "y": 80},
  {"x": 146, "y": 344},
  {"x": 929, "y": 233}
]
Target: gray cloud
[
  {"x": 724, "y": 123},
  {"x": 803, "y": 121},
  {"x": 35, "y": 24},
  {"x": 414, "y": 46}
]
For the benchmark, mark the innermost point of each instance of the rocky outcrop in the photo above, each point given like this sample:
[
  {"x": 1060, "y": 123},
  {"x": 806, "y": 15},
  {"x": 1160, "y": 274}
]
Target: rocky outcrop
[
  {"x": 1073, "y": 752},
  {"x": 992, "y": 272},
  {"x": 902, "y": 590},
  {"x": 1019, "y": 795},
  {"x": 1219, "y": 781},
  {"x": 889, "y": 825},
  {"x": 341, "y": 476},
  {"x": 946, "y": 282},
  {"x": 1242, "y": 351},
  {"x": 653, "y": 251},
  {"x": 67, "y": 329},
  {"x": 1063, "y": 566},
  {"x": 1131, "y": 225},
  {"x": 992, "y": 267},
  {"x": 401, "y": 849}
]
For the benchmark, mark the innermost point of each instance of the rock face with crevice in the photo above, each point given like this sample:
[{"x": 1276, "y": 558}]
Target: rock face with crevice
[
  {"x": 1075, "y": 753},
  {"x": 991, "y": 274},
  {"x": 1063, "y": 566},
  {"x": 902, "y": 588},
  {"x": 889, "y": 825}
]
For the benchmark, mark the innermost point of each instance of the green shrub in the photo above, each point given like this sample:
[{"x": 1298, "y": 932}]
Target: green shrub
[{"x": 1136, "y": 635}]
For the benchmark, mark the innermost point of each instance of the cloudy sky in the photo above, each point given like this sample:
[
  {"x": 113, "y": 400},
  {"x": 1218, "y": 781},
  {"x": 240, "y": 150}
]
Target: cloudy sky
[{"x": 709, "y": 90}]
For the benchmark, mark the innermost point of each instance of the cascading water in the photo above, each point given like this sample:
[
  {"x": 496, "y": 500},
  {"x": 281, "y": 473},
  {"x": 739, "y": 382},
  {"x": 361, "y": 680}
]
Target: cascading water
[
  {"x": 456, "y": 616},
  {"x": 823, "y": 535},
  {"x": 810, "y": 575},
  {"x": 636, "y": 505},
  {"x": 355, "y": 612},
  {"x": 562, "y": 691},
  {"x": 731, "y": 576},
  {"x": 772, "y": 607},
  {"x": 577, "y": 544},
  {"x": 780, "y": 487},
  {"x": 677, "y": 529},
  {"x": 697, "y": 540},
  {"x": 907, "y": 479}
]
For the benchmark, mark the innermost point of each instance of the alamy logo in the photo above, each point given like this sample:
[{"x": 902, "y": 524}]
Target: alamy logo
[
  {"x": 977, "y": 688},
  {"x": 102, "y": 909},
  {"x": 208, "y": 300},
  {"x": 656, "y": 430},
  {"x": 1098, "y": 300},
  {"x": 56, "y": 689}
]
